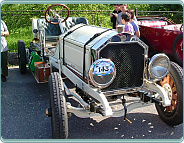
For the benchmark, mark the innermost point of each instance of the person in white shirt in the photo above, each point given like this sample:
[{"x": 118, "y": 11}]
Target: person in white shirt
[{"x": 4, "y": 51}]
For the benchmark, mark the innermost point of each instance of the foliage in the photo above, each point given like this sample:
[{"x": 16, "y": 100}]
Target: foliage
[
  {"x": 21, "y": 33},
  {"x": 176, "y": 17},
  {"x": 18, "y": 17}
]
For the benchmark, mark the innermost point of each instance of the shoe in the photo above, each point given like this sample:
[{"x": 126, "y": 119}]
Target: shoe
[{"x": 3, "y": 78}]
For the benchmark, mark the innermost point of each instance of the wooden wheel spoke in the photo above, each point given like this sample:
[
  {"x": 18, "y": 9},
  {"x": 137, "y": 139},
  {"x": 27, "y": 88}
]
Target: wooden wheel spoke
[
  {"x": 163, "y": 81},
  {"x": 173, "y": 102},
  {"x": 168, "y": 79},
  {"x": 174, "y": 96},
  {"x": 174, "y": 89},
  {"x": 171, "y": 83}
]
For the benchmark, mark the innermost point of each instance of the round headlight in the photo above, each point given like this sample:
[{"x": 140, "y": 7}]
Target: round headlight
[
  {"x": 159, "y": 66},
  {"x": 102, "y": 73}
]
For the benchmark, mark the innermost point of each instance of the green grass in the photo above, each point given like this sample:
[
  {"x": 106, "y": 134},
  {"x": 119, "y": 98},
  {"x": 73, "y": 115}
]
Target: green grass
[{"x": 21, "y": 33}]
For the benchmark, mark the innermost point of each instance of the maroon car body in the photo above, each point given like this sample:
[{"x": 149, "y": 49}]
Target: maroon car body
[{"x": 163, "y": 35}]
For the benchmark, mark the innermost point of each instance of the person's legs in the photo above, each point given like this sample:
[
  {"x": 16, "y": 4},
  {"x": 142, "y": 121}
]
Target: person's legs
[{"x": 4, "y": 65}]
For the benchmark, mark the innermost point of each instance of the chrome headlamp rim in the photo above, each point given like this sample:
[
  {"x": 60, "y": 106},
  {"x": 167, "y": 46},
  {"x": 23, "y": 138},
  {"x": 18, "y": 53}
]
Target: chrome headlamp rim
[
  {"x": 153, "y": 59},
  {"x": 91, "y": 74}
]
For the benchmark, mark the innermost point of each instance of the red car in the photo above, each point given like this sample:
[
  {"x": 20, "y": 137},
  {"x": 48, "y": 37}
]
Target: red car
[{"x": 163, "y": 35}]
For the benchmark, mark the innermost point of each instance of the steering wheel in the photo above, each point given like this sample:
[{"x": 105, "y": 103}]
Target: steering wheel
[{"x": 51, "y": 13}]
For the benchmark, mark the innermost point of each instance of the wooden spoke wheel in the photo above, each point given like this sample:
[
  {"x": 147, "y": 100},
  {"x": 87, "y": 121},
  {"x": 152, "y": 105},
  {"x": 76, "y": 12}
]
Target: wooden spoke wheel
[
  {"x": 169, "y": 85},
  {"x": 173, "y": 85}
]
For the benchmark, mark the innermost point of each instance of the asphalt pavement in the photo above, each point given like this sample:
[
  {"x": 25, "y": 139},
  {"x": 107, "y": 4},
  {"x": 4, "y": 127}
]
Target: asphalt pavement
[{"x": 23, "y": 104}]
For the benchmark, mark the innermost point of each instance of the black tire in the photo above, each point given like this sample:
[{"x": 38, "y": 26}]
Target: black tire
[
  {"x": 22, "y": 57},
  {"x": 59, "y": 118},
  {"x": 177, "y": 48},
  {"x": 173, "y": 115}
]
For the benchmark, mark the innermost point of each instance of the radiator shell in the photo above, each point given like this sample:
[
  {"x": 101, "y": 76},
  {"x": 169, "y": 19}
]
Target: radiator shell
[{"x": 129, "y": 61}]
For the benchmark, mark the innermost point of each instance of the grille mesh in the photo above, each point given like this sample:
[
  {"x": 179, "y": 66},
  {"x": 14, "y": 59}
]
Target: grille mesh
[{"x": 129, "y": 61}]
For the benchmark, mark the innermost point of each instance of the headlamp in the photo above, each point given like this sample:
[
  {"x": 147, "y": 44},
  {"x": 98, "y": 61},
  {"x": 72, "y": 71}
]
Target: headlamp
[{"x": 159, "y": 66}]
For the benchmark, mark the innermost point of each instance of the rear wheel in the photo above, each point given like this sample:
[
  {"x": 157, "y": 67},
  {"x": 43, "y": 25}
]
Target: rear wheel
[
  {"x": 22, "y": 56},
  {"x": 59, "y": 119},
  {"x": 173, "y": 84},
  {"x": 178, "y": 49}
]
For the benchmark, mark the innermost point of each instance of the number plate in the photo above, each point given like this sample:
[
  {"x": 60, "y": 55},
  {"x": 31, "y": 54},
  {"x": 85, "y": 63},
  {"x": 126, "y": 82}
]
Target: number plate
[{"x": 103, "y": 68}]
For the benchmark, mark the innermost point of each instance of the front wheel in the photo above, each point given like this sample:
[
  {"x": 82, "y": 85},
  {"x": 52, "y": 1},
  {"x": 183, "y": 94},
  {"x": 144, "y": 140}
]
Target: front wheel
[
  {"x": 173, "y": 84},
  {"x": 59, "y": 119}
]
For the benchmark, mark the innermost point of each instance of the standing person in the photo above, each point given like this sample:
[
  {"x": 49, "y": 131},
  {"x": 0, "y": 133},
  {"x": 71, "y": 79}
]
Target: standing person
[
  {"x": 4, "y": 51},
  {"x": 114, "y": 15},
  {"x": 134, "y": 24},
  {"x": 123, "y": 8},
  {"x": 125, "y": 20}
]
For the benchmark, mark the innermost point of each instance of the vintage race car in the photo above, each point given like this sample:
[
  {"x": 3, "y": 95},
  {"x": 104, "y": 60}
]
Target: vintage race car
[
  {"x": 163, "y": 35},
  {"x": 105, "y": 68}
]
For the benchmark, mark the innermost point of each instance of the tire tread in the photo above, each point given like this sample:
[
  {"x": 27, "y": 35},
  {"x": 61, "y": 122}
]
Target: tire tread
[{"x": 61, "y": 123}]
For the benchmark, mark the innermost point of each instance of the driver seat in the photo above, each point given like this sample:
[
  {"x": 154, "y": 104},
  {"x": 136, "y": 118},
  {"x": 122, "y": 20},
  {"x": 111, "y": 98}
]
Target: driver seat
[
  {"x": 51, "y": 33},
  {"x": 51, "y": 29},
  {"x": 72, "y": 21}
]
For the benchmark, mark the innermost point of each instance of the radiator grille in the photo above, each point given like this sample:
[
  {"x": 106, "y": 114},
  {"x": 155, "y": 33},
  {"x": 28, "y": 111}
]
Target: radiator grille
[{"x": 129, "y": 61}]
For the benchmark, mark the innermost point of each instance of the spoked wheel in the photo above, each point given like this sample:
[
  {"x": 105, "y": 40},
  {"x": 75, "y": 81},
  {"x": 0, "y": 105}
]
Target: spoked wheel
[
  {"x": 178, "y": 49},
  {"x": 51, "y": 13},
  {"x": 173, "y": 84},
  {"x": 22, "y": 56},
  {"x": 59, "y": 118}
]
